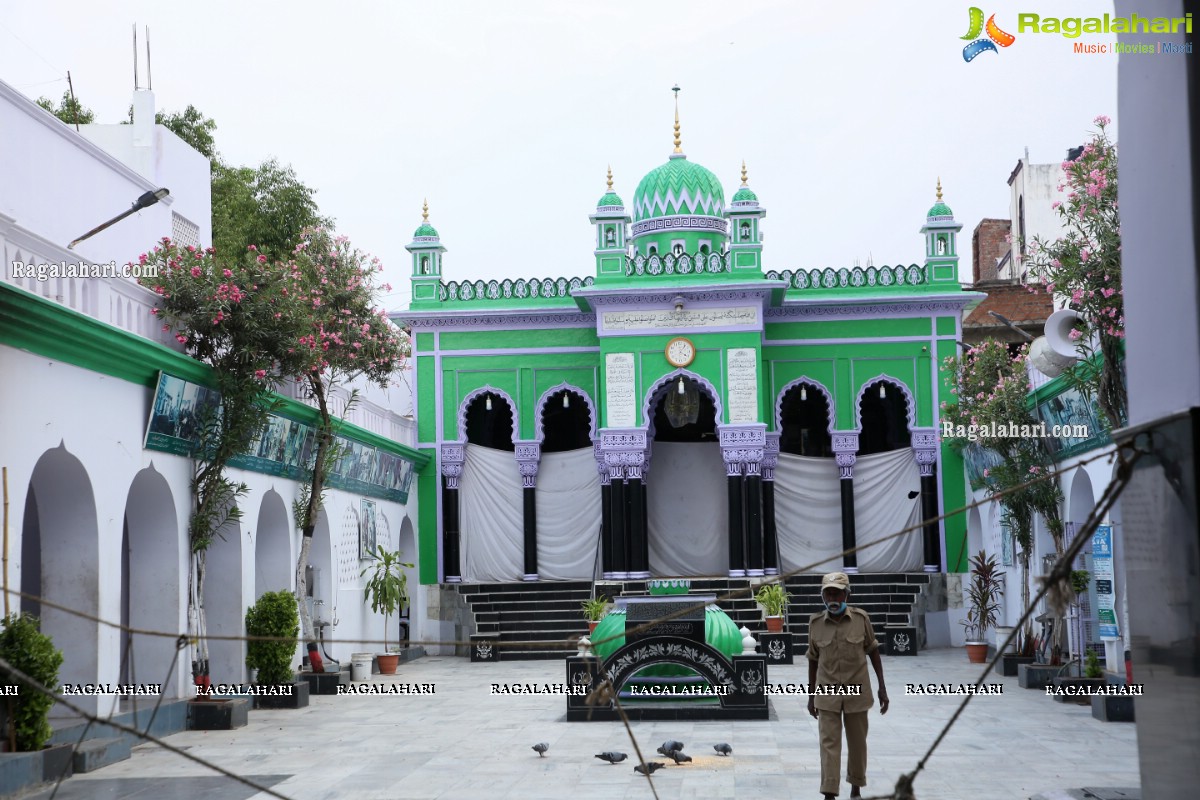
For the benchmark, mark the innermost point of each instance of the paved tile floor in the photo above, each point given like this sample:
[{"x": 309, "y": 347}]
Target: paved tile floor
[{"x": 463, "y": 742}]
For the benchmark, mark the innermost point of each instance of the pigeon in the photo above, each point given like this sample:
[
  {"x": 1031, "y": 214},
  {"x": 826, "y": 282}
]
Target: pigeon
[
  {"x": 650, "y": 765},
  {"x": 611, "y": 757},
  {"x": 679, "y": 756},
  {"x": 541, "y": 748},
  {"x": 670, "y": 745},
  {"x": 723, "y": 748}
]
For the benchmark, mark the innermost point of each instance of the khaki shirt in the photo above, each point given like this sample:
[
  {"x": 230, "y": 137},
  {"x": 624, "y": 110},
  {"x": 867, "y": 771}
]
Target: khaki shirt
[{"x": 840, "y": 646}]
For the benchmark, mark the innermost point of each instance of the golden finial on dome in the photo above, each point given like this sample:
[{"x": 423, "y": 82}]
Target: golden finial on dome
[
  {"x": 939, "y": 189},
  {"x": 675, "y": 89},
  {"x": 744, "y": 183},
  {"x": 610, "y": 177},
  {"x": 425, "y": 210}
]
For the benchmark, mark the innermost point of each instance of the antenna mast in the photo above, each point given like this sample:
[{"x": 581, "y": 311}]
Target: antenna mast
[
  {"x": 135, "y": 74},
  {"x": 149, "y": 77}
]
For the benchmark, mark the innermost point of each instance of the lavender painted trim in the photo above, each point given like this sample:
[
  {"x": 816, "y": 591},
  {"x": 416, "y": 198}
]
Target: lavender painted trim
[
  {"x": 539, "y": 431},
  {"x": 820, "y": 387},
  {"x": 466, "y": 402},
  {"x": 855, "y": 309},
  {"x": 473, "y": 320},
  {"x": 910, "y": 403},
  {"x": 661, "y": 386},
  {"x": 707, "y": 291}
]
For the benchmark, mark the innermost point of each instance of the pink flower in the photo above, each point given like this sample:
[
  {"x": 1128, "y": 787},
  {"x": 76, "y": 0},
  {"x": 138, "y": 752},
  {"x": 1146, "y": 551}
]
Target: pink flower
[
  {"x": 195, "y": 272},
  {"x": 260, "y": 373},
  {"x": 227, "y": 273},
  {"x": 179, "y": 337},
  {"x": 1102, "y": 120},
  {"x": 987, "y": 473}
]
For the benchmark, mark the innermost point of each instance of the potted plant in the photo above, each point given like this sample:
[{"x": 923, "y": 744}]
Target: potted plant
[
  {"x": 773, "y": 598},
  {"x": 273, "y": 626},
  {"x": 984, "y": 593},
  {"x": 594, "y": 609},
  {"x": 26, "y": 728},
  {"x": 387, "y": 592}
]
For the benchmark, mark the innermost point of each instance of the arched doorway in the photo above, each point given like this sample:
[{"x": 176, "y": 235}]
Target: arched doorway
[
  {"x": 62, "y": 536},
  {"x": 273, "y": 565},
  {"x": 151, "y": 591},
  {"x": 805, "y": 420},
  {"x": 686, "y": 496},
  {"x": 491, "y": 497},
  {"x": 883, "y": 408},
  {"x": 567, "y": 495},
  {"x": 225, "y": 605}
]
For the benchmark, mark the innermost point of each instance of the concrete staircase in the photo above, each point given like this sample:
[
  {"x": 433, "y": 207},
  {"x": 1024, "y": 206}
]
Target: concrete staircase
[{"x": 542, "y": 620}]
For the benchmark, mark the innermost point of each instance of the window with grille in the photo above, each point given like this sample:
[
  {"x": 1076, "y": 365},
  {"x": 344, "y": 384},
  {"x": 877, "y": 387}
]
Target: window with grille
[{"x": 184, "y": 232}]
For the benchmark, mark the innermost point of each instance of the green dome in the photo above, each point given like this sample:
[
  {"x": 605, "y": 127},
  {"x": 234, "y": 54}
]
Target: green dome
[
  {"x": 610, "y": 199},
  {"x": 678, "y": 187},
  {"x": 745, "y": 194},
  {"x": 425, "y": 230},
  {"x": 940, "y": 209}
]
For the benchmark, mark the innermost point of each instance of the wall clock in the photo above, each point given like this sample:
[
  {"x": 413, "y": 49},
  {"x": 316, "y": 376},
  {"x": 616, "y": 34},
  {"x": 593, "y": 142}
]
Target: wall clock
[{"x": 680, "y": 352}]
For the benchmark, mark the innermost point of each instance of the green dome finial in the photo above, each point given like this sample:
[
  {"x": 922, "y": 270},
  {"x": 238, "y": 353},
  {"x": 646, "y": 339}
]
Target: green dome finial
[
  {"x": 425, "y": 230},
  {"x": 745, "y": 194},
  {"x": 610, "y": 198},
  {"x": 940, "y": 209},
  {"x": 678, "y": 150}
]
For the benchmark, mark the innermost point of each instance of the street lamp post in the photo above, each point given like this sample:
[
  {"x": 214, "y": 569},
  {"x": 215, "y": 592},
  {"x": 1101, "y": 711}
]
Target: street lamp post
[{"x": 145, "y": 201}]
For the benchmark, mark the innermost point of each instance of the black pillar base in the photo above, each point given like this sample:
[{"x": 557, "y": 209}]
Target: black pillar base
[
  {"x": 770, "y": 536},
  {"x": 754, "y": 525},
  {"x": 929, "y": 510},
  {"x": 531, "y": 560},
  {"x": 849, "y": 540},
  {"x": 737, "y": 534},
  {"x": 450, "y": 552}
]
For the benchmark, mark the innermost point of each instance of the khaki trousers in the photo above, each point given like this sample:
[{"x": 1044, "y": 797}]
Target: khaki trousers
[{"x": 831, "y": 723}]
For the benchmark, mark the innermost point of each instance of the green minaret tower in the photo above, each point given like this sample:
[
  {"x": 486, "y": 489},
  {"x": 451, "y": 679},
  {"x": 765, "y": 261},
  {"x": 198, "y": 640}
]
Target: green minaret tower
[
  {"x": 426, "y": 249},
  {"x": 610, "y": 220},
  {"x": 745, "y": 236},
  {"x": 941, "y": 244}
]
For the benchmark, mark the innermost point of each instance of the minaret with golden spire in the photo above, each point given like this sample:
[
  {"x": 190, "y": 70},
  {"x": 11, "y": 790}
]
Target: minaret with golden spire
[
  {"x": 610, "y": 177},
  {"x": 678, "y": 150},
  {"x": 425, "y": 210},
  {"x": 939, "y": 189},
  {"x": 744, "y": 179}
]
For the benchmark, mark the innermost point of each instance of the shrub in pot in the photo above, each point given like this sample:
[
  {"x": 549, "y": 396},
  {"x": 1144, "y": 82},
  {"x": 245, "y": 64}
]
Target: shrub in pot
[
  {"x": 773, "y": 598},
  {"x": 274, "y": 615},
  {"x": 594, "y": 609},
  {"x": 984, "y": 593},
  {"x": 27, "y": 649},
  {"x": 387, "y": 592}
]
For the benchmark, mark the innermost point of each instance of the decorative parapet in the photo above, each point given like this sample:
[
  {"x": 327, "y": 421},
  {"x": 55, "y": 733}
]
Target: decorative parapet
[
  {"x": 684, "y": 264},
  {"x": 854, "y": 278},
  {"x": 510, "y": 290}
]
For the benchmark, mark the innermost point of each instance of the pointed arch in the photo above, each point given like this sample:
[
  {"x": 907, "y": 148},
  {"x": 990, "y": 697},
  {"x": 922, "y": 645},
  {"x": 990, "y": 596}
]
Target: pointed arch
[
  {"x": 659, "y": 388},
  {"x": 820, "y": 387},
  {"x": 488, "y": 389},
  {"x": 910, "y": 405},
  {"x": 539, "y": 434}
]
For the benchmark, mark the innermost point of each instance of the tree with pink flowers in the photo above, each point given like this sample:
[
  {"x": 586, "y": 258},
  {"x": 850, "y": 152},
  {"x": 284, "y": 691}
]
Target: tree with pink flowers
[
  {"x": 339, "y": 337},
  {"x": 1083, "y": 267}
]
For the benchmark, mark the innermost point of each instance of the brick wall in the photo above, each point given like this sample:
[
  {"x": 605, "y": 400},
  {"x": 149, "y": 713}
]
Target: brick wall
[{"x": 988, "y": 246}]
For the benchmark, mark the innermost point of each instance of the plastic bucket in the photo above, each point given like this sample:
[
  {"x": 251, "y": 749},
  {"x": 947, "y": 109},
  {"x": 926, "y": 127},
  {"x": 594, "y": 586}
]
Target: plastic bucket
[{"x": 360, "y": 666}]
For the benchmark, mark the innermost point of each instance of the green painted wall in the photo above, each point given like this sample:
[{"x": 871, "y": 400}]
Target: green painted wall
[
  {"x": 426, "y": 422},
  {"x": 429, "y": 483},
  {"x": 849, "y": 329},
  {"x": 494, "y": 340},
  {"x": 954, "y": 496}
]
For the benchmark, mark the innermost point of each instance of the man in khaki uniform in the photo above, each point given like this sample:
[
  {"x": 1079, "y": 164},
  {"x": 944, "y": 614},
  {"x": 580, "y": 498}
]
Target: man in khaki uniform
[{"x": 840, "y": 640}]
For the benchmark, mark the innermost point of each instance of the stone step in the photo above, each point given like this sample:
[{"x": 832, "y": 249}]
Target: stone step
[{"x": 93, "y": 754}]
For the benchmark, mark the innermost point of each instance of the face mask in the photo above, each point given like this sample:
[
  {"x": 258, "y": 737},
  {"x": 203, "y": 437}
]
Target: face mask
[{"x": 836, "y": 608}]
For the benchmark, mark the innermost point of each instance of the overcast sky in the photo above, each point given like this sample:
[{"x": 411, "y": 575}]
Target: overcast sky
[{"x": 506, "y": 115}]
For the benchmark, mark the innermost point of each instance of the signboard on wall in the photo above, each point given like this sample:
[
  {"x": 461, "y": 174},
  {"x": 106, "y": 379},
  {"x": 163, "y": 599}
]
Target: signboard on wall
[
  {"x": 1102, "y": 569},
  {"x": 284, "y": 448},
  {"x": 620, "y": 390}
]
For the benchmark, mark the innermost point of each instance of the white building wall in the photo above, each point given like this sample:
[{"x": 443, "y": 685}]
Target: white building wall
[{"x": 1037, "y": 185}]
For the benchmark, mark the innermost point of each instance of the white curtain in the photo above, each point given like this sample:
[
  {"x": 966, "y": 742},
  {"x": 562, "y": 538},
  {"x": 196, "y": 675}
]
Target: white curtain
[
  {"x": 568, "y": 515},
  {"x": 808, "y": 516},
  {"x": 492, "y": 515},
  {"x": 688, "y": 510}
]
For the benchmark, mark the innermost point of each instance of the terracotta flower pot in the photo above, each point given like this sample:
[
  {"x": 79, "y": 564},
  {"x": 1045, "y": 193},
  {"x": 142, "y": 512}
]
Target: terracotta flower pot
[
  {"x": 977, "y": 652},
  {"x": 774, "y": 624},
  {"x": 592, "y": 623},
  {"x": 388, "y": 663}
]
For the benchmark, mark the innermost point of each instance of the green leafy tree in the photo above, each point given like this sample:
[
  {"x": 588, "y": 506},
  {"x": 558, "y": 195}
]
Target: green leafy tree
[
  {"x": 267, "y": 206},
  {"x": 69, "y": 110},
  {"x": 387, "y": 588},
  {"x": 1083, "y": 267}
]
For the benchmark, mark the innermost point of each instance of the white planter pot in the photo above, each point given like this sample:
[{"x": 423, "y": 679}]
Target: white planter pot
[{"x": 1002, "y": 633}]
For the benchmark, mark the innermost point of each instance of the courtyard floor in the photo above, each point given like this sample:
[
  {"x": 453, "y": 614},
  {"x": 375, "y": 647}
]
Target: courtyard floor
[{"x": 463, "y": 742}]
